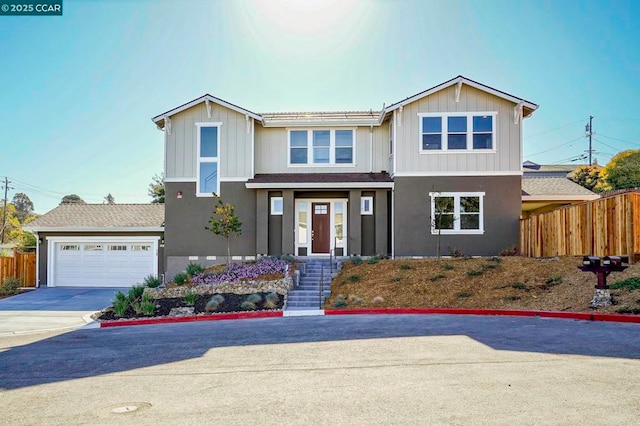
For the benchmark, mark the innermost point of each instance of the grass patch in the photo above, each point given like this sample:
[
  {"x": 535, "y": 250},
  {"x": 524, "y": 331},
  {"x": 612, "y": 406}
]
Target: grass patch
[
  {"x": 632, "y": 283},
  {"x": 553, "y": 279},
  {"x": 354, "y": 278},
  {"x": 520, "y": 286},
  {"x": 475, "y": 272},
  {"x": 448, "y": 267},
  {"x": 511, "y": 298},
  {"x": 437, "y": 277},
  {"x": 405, "y": 267},
  {"x": 464, "y": 295}
]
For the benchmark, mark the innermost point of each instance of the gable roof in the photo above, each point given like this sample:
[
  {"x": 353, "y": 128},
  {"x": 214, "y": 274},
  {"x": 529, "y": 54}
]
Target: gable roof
[
  {"x": 100, "y": 217},
  {"x": 327, "y": 118},
  {"x": 554, "y": 188},
  {"x": 160, "y": 118},
  {"x": 528, "y": 107}
]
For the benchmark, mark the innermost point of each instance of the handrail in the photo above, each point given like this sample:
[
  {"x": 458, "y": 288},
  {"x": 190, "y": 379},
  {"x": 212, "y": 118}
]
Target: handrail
[{"x": 321, "y": 285}]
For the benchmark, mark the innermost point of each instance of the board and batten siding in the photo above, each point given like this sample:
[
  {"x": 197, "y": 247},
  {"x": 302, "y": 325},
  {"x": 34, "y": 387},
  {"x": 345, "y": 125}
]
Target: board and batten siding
[
  {"x": 235, "y": 143},
  {"x": 506, "y": 158},
  {"x": 272, "y": 156}
]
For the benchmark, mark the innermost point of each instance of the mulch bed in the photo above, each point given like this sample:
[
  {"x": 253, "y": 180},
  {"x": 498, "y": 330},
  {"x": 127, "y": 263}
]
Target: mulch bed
[{"x": 232, "y": 303}]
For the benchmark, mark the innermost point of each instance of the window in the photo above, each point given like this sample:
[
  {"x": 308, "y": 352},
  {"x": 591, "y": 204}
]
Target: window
[
  {"x": 457, "y": 212},
  {"x": 117, "y": 248},
  {"x": 144, "y": 247},
  {"x": 93, "y": 247},
  {"x": 366, "y": 205},
  {"x": 276, "y": 206},
  {"x": 70, "y": 247},
  {"x": 457, "y": 132},
  {"x": 208, "y": 146},
  {"x": 320, "y": 209},
  {"x": 302, "y": 223},
  {"x": 321, "y": 147}
]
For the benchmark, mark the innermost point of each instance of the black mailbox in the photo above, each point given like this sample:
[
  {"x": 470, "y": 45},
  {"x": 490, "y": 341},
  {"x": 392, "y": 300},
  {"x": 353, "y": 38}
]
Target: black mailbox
[
  {"x": 591, "y": 261},
  {"x": 615, "y": 262}
]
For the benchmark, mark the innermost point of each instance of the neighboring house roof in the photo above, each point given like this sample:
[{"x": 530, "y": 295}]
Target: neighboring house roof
[
  {"x": 321, "y": 180},
  {"x": 346, "y": 118},
  {"x": 528, "y": 107},
  {"x": 558, "y": 170},
  {"x": 554, "y": 188},
  {"x": 100, "y": 217}
]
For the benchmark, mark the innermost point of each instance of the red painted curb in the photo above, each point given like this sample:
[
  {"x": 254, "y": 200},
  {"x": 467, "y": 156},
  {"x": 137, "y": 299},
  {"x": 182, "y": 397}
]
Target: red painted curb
[
  {"x": 213, "y": 317},
  {"x": 585, "y": 316}
]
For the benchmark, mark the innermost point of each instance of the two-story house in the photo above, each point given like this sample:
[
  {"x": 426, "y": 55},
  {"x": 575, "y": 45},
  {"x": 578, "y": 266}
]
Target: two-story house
[{"x": 444, "y": 163}]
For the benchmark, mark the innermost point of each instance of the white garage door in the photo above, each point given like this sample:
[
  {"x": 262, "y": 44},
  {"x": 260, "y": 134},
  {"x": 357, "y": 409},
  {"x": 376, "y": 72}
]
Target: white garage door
[{"x": 102, "y": 263}]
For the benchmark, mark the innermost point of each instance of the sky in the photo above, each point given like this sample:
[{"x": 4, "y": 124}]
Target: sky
[{"x": 77, "y": 91}]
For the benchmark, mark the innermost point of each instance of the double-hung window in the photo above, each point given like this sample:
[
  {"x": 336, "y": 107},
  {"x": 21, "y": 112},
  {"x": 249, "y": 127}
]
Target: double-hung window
[
  {"x": 208, "y": 146},
  {"x": 457, "y": 212},
  {"x": 457, "y": 132},
  {"x": 321, "y": 147}
]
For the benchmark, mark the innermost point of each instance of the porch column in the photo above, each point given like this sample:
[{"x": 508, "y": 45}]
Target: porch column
[
  {"x": 382, "y": 222},
  {"x": 355, "y": 223},
  {"x": 262, "y": 221},
  {"x": 288, "y": 222}
]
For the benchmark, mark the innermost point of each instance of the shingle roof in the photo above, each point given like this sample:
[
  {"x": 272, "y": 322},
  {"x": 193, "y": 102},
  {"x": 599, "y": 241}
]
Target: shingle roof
[
  {"x": 320, "y": 118},
  {"x": 556, "y": 186},
  {"x": 91, "y": 216},
  {"x": 321, "y": 178}
]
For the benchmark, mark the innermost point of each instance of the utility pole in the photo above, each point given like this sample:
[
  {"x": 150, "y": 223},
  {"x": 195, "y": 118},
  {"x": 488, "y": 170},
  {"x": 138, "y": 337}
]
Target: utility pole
[
  {"x": 589, "y": 129},
  {"x": 4, "y": 208}
]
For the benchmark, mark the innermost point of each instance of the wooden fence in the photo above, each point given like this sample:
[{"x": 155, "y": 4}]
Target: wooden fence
[
  {"x": 603, "y": 227},
  {"x": 21, "y": 265}
]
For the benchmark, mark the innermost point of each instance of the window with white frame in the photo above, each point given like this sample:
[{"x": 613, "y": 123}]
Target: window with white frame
[
  {"x": 366, "y": 205},
  {"x": 276, "y": 206},
  {"x": 457, "y": 212},
  {"x": 457, "y": 132},
  {"x": 321, "y": 147},
  {"x": 208, "y": 146}
]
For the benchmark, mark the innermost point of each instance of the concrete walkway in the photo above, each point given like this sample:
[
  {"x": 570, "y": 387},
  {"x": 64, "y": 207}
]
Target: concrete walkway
[{"x": 49, "y": 309}]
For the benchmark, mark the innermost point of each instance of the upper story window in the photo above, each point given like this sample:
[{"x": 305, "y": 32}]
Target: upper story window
[
  {"x": 208, "y": 146},
  {"x": 457, "y": 132},
  {"x": 321, "y": 147}
]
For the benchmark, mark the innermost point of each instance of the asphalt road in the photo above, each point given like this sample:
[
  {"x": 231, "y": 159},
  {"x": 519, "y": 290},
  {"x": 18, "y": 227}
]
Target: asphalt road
[{"x": 405, "y": 369}]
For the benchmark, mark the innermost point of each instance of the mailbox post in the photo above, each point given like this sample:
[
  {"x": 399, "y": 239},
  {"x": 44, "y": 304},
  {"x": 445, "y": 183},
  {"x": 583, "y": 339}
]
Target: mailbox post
[{"x": 602, "y": 268}]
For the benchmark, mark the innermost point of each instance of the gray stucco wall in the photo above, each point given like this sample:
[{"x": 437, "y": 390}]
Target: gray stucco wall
[
  {"x": 412, "y": 211},
  {"x": 187, "y": 217}
]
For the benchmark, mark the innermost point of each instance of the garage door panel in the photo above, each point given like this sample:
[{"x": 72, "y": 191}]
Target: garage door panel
[{"x": 103, "y": 264}]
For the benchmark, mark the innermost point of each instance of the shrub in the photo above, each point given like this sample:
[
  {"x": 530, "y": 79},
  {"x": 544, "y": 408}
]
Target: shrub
[
  {"x": 135, "y": 293},
  {"x": 152, "y": 281},
  {"x": 214, "y": 303},
  {"x": 520, "y": 286},
  {"x": 254, "y": 298},
  {"x": 396, "y": 279},
  {"x": 194, "y": 269},
  {"x": 475, "y": 272},
  {"x": 147, "y": 306},
  {"x": 553, "y": 279},
  {"x": 120, "y": 306},
  {"x": 406, "y": 267},
  {"x": 509, "y": 251},
  {"x": 489, "y": 266},
  {"x": 10, "y": 286},
  {"x": 354, "y": 278},
  {"x": 496, "y": 259},
  {"x": 464, "y": 295},
  {"x": 244, "y": 271},
  {"x": 286, "y": 258},
  {"x": 248, "y": 306},
  {"x": 373, "y": 260},
  {"x": 180, "y": 278},
  {"x": 455, "y": 252},
  {"x": 632, "y": 283},
  {"x": 190, "y": 297},
  {"x": 436, "y": 277},
  {"x": 448, "y": 267},
  {"x": 271, "y": 300},
  {"x": 511, "y": 298},
  {"x": 119, "y": 297},
  {"x": 340, "y": 303},
  {"x": 356, "y": 260}
]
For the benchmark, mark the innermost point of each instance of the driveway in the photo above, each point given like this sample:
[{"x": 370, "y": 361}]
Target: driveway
[{"x": 47, "y": 309}]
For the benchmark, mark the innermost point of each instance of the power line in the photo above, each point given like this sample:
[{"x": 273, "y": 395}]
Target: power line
[
  {"x": 554, "y": 129},
  {"x": 555, "y": 147},
  {"x": 619, "y": 140}
]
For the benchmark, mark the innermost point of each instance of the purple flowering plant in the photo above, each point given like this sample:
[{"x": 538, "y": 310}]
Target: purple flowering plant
[{"x": 244, "y": 271}]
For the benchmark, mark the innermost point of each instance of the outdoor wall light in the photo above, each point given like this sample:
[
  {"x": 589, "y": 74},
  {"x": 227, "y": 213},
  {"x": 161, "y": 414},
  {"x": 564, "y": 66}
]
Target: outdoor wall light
[{"x": 179, "y": 194}]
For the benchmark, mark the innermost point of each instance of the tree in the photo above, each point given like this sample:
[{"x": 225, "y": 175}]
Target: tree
[
  {"x": 156, "y": 189},
  {"x": 443, "y": 217},
  {"x": 11, "y": 230},
  {"x": 109, "y": 199},
  {"x": 225, "y": 223},
  {"x": 587, "y": 176},
  {"x": 622, "y": 172},
  {"x": 72, "y": 199},
  {"x": 23, "y": 205}
]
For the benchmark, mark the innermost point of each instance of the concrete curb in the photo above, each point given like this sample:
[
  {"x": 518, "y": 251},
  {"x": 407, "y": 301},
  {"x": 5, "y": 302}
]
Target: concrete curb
[{"x": 582, "y": 316}]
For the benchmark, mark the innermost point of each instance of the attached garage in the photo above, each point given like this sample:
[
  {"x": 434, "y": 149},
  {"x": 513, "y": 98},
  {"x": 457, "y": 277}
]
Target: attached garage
[{"x": 99, "y": 245}]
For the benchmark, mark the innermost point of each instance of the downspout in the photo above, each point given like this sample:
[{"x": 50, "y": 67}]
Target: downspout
[
  {"x": 37, "y": 259},
  {"x": 393, "y": 190},
  {"x": 370, "y": 149}
]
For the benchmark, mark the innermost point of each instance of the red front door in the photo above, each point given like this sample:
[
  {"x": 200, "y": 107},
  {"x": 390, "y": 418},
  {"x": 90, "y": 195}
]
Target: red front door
[{"x": 321, "y": 232}]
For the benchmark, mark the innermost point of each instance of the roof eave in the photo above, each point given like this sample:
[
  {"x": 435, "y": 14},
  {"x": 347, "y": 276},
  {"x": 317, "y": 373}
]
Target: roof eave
[
  {"x": 318, "y": 185},
  {"x": 93, "y": 229}
]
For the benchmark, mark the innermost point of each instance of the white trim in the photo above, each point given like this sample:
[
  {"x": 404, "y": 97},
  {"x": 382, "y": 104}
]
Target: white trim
[
  {"x": 273, "y": 211},
  {"x": 456, "y": 213},
  {"x": 51, "y": 250},
  {"x": 395, "y": 146},
  {"x": 305, "y": 124},
  {"x": 371, "y": 149},
  {"x": 458, "y": 173},
  {"x": 253, "y": 148},
  {"x": 464, "y": 80},
  {"x": 319, "y": 185},
  {"x": 160, "y": 118},
  {"x": 37, "y": 258},
  {"x": 559, "y": 197},
  {"x": 180, "y": 179},
  {"x": 469, "y": 115},
  {"x": 209, "y": 160},
  {"x": 392, "y": 224},
  {"x": 363, "y": 210},
  {"x": 332, "y": 226},
  {"x": 332, "y": 147},
  {"x": 234, "y": 179},
  {"x": 94, "y": 229}
]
